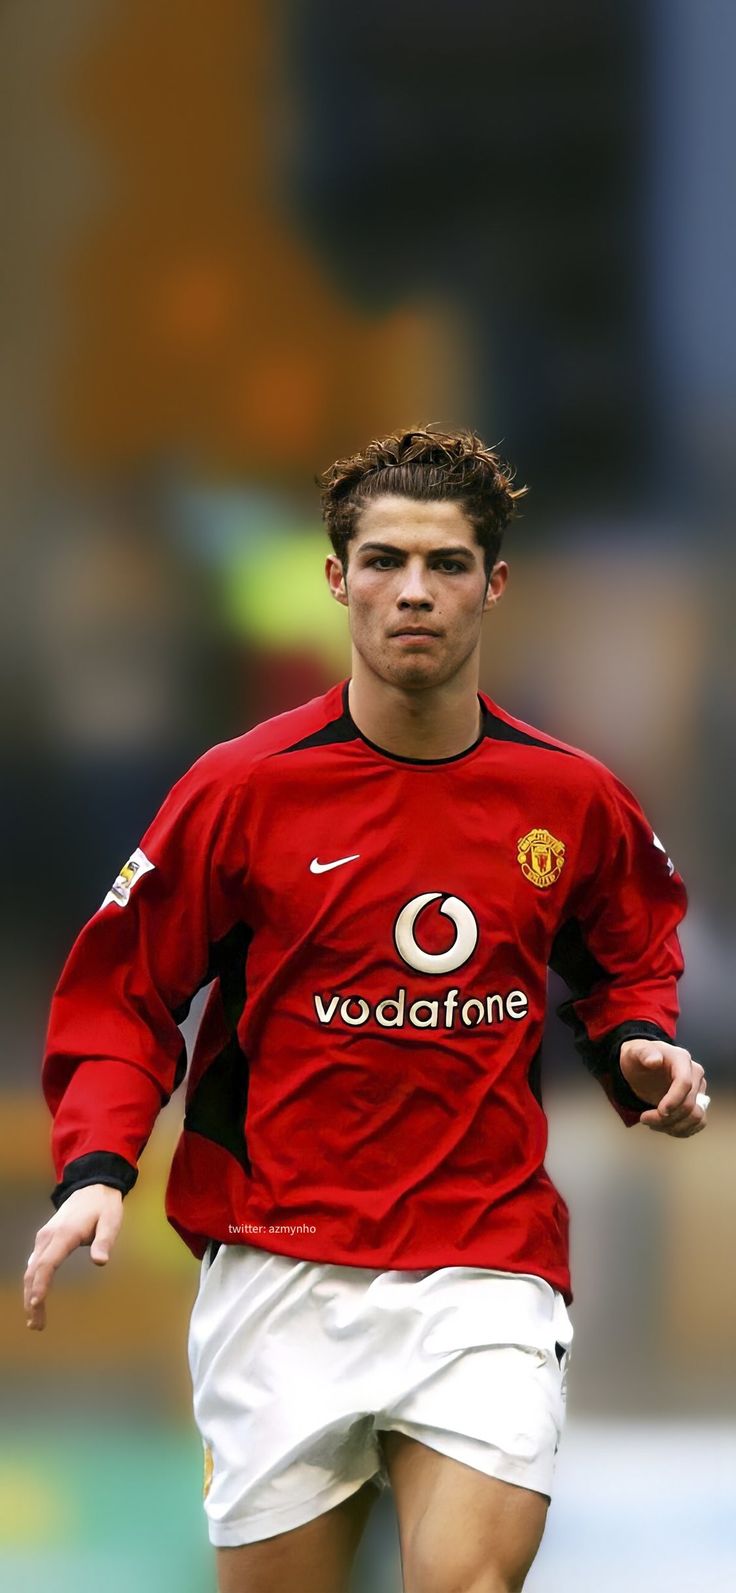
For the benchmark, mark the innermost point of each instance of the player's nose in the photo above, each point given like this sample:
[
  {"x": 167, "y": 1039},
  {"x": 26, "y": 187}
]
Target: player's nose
[{"x": 414, "y": 586}]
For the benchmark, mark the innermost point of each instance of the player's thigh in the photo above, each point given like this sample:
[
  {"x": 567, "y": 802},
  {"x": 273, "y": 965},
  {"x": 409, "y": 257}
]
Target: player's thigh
[
  {"x": 460, "y": 1529},
  {"x": 318, "y": 1555}
]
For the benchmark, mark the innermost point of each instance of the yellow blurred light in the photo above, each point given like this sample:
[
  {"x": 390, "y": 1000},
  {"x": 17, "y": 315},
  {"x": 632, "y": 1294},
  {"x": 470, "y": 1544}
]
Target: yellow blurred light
[
  {"x": 280, "y": 598},
  {"x": 33, "y": 1510}
]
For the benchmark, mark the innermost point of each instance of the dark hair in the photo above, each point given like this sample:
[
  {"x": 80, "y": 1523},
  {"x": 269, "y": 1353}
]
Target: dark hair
[{"x": 428, "y": 464}]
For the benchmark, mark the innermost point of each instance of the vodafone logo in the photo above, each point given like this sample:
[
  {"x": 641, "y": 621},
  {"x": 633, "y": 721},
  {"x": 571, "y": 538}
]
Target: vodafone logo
[
  {"x": 436, "y": 962},
  {"x": 403, "y": 1008}
]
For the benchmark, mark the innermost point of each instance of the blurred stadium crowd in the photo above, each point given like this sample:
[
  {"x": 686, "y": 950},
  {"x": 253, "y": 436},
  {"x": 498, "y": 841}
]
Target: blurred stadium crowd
[{"x": 239, "y": 239}]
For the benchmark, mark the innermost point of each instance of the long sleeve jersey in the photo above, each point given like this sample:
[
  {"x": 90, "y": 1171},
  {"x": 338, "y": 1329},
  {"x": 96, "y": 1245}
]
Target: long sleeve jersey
[{"x": 376, "y": 931}]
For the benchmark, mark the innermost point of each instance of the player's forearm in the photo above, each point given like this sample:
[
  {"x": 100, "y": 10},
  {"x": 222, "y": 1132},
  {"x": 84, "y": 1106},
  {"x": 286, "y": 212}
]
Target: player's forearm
[
  {"x": 602, "y": 1054},
  {"x": 102, "y": 1121}
]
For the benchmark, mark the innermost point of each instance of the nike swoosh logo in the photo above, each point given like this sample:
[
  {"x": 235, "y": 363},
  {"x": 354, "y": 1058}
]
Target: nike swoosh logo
[{"x": 323, "y": 868}]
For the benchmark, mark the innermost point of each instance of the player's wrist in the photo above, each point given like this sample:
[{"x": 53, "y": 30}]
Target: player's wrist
[
  {"x": 633, "y": 1029},
  {"x": 96, "y": 1167}
]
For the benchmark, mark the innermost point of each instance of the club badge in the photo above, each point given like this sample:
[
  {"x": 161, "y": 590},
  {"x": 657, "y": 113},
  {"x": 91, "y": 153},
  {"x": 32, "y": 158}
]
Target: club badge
[{"x": 542, "y": 858}]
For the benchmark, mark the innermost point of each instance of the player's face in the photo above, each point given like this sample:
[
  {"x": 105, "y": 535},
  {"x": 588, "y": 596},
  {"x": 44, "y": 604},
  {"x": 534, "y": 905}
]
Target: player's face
[{"x": 416, "y": 590}]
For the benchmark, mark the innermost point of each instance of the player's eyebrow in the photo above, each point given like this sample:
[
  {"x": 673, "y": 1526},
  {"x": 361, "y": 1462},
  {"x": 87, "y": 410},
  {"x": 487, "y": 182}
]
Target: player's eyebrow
[{"x": 434, "y": 553}]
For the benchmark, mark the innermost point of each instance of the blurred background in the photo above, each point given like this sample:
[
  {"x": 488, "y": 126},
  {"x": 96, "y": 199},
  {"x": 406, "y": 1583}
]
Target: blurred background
[{"x": 240, "y": 237}]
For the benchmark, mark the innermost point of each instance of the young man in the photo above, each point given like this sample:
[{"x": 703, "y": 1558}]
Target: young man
[{"x": 376, "y": 882}]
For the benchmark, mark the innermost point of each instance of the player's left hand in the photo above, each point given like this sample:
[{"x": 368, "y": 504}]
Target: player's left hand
[{"x": 667, "y": 1076}]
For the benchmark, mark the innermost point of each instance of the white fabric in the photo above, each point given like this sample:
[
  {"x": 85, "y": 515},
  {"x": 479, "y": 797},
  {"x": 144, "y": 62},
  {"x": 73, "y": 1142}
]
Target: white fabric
[{"x": 296, "y": 1365}]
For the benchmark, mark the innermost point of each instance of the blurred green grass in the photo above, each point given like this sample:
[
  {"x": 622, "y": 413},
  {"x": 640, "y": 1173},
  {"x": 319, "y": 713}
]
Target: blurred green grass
[{"x": 80, "y": 1510}]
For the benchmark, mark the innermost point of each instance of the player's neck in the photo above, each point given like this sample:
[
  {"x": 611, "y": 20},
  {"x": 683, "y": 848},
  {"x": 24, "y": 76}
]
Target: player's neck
[{"x": 436, "y": 723}]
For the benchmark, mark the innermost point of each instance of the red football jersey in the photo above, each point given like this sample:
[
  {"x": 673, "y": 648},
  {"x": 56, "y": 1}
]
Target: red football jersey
[{"x": 365, "y": 1083}]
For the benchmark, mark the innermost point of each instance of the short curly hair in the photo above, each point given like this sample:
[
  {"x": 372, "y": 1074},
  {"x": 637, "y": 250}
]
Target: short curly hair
[{"x": 428, "y": 464}]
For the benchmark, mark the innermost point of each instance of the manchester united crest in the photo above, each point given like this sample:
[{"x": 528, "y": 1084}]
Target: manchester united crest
[{"x": 542, "y": 858}]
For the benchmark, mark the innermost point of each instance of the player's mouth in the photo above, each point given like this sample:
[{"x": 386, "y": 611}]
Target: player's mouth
[{"x": 415, "y": 634}]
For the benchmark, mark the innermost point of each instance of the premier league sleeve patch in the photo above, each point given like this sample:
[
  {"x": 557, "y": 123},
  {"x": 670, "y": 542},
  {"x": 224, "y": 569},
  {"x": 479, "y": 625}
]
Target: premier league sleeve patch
[
  {"x": 136, "y": 866},
  {"x": 670, "y": 865}
]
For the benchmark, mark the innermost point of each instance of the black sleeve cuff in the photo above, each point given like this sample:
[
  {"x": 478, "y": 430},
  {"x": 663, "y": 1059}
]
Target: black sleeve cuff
[
  {"x": 612, "y": 1043},
  {"x": 98, "y": 1167}
]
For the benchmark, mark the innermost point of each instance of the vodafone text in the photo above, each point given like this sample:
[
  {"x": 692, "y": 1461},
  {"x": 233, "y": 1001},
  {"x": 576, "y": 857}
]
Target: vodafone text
[{"x": 424, "y": 1013}]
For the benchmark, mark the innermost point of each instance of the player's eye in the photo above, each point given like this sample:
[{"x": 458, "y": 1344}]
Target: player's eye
[{"x": 388, "y": 561}]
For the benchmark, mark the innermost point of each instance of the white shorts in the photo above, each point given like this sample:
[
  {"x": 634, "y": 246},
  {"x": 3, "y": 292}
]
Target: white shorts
[{"x": 297, "y": 1365}]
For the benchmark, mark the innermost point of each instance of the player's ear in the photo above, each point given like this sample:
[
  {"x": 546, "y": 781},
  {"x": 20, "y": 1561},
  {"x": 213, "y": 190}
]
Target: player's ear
[
  {"x": 496, "y": 585},
  {"x": 336, "y": 578}
]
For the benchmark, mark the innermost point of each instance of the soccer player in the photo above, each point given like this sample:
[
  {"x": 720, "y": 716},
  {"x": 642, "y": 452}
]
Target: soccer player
[{"x": 374, "y": 885}]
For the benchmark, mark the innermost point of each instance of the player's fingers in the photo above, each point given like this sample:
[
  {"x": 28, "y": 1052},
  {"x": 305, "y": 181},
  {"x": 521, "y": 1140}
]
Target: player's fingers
[
  {"x": 41, "y": 1243},
  {"x": 34, "y": 1295},
  {"x": 42, "y": 1239},
  {"x": 40, "y": 1272},
  {"x": 683, "y": 1112},
  {"x": 692, "y": 1123},
  {"x": 108, "y": 1229},
  {"x": 684, "y": 1073},
  {"x": 653, "y": 1121},
  {"x": 36, "y": 1317},
  {"x": 657, "y": 1118}
]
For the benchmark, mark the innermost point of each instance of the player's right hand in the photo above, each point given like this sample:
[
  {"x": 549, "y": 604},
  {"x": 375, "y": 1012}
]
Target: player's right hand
[{"x": 91, "y": 1216}]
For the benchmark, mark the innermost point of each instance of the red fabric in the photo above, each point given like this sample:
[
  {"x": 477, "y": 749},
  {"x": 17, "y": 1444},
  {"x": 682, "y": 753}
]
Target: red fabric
[{"x": 395, "y": 1144}]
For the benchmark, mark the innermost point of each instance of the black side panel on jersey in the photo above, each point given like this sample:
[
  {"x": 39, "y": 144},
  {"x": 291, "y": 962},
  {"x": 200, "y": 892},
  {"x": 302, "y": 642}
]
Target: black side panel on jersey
[
  {"x": 498, "y": 730},
  {"x": 343, "y": 728},
  {"x": 572, "y": 960},
  {"x": 218, "y": 1106},
  {"x": 535, "y": 1075},
  {"x": 340, "y": 729}
]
